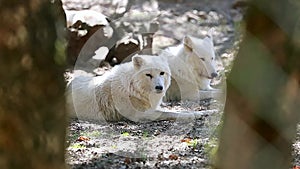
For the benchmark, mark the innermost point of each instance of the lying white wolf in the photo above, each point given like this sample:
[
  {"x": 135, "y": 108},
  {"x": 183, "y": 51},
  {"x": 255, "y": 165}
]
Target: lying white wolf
[
  {"x": 126, "y": 91},
  {"x": 192, "y": 65}
]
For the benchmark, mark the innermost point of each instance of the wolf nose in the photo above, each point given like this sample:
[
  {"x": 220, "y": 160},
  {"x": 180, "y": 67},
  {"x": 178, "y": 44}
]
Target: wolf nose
[
  {"x": 214, "y": 74},
  {"x": 159, "y": 88}
]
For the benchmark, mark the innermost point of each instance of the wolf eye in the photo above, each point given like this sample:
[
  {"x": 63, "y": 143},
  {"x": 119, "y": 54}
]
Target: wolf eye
[
  {"x": 202, "y": 59},
  {"x": 149, "y": 75},
  {"x": 162, "y": 73}
]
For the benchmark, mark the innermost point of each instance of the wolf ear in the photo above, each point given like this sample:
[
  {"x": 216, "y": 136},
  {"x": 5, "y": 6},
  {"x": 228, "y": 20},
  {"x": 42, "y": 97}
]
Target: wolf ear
[
  {"x": 209, "y": 36},
  {"x": 138, "y": 61},
  {"x": 188, "y": 43},
  {"x": 210, "y": 33}
]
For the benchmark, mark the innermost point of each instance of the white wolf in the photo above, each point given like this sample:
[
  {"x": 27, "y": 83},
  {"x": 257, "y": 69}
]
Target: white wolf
[
  {"x": 192, "y": 66},
  {"x": 127, "y": 91}
]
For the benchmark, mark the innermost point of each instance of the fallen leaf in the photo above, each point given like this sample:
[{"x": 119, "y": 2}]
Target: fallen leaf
[
  {"x": 186, "y": 140},
  {"x": 173, "y": 157},
  {"x": 83, "y": 138},
  {"x": 127, "y": 160},
  {"x": 296, "y": 167}
]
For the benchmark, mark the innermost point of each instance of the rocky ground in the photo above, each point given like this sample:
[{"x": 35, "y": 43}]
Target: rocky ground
[{"x": 164, "y": 144}]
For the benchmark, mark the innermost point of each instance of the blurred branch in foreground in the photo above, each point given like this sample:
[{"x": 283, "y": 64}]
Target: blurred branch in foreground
[
  {"x": 262, "y": 109},
  {"x": 32, "y": 116}
]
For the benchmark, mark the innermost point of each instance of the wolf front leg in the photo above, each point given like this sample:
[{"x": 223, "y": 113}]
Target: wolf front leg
[{"x": 184, "y": 115}]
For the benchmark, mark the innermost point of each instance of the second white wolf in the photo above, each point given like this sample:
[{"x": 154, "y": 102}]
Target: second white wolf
[{"x": 192, "y": 65}]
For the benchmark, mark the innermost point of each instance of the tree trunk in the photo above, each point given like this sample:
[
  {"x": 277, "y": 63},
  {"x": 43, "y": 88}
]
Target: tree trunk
[
  {"x": 262, "y": 108},
  {"x": 32, "y": 115}
]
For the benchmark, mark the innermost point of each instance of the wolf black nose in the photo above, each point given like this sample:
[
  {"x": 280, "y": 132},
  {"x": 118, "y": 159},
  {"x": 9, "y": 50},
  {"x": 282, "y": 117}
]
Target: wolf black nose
[
  {"x": 159, "y": 88},
  {"x": 214, "y": 74}
]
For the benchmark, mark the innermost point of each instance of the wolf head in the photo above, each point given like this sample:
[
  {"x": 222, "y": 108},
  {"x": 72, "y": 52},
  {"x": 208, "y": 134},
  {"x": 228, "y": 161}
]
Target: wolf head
[
  {"x": 152, "y": 74},
  {"x": 201, "y": 56}
]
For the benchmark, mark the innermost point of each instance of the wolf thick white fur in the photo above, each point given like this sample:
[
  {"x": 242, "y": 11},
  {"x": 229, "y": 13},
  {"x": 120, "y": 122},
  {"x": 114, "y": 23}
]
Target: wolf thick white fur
[
  {"x": 192, "y": 65},
  {"x": 129, "y": 91}
]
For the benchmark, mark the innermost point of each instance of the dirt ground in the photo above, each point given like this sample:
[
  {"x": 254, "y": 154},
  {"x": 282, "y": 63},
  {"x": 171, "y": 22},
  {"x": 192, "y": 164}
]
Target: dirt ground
[{"x": 164, "y": 144}]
